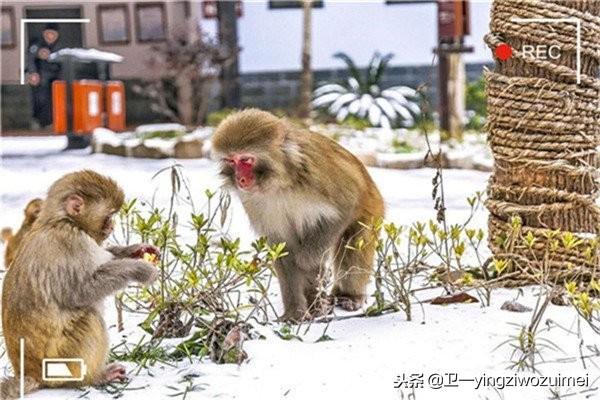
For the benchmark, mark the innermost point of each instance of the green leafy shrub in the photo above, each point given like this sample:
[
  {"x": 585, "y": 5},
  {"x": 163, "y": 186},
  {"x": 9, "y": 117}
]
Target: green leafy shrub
[
  {"x": 475, "y": 97},
  {"x": 404, "y": 254},
  {"x": 204, "y": 274},
  {"x": 354, "y": 122},
  {"x": 215, "y": 117},
  {"x": 401, "y": 146},
  {"x": 476, "y": 105},
  {"x": 475, "y": 122},
  {"x": 168, "y": 134}
]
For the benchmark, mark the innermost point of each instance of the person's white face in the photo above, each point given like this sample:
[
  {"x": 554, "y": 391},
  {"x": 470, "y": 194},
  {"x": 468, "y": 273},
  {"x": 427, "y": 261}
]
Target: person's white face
[{"x": 50, "y": 35}]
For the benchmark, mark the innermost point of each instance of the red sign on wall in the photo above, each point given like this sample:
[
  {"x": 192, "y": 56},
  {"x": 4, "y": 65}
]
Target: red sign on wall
[{"x": 453, "y": 19}]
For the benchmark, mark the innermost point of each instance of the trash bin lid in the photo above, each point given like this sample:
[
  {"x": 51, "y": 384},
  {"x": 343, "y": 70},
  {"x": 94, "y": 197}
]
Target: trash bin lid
[{"x": 85, "y": 55}]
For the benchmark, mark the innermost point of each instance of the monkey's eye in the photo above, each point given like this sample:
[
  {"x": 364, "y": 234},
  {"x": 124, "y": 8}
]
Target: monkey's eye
[
  {"x": 229, "y": 161},
  {"x": 246, "y": 160}
]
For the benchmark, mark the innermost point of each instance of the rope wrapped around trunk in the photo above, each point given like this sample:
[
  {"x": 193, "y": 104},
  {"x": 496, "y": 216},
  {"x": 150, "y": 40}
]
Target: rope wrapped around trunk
[{"x": 544, "y": 131}]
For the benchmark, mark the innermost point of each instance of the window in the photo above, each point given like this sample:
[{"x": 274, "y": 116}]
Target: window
[
  {"x": 8, "y": 27},
  {"x": 150, "y": 22},
  {"x": 278, "y": 4},
  {"x": 113, "y": 24}
]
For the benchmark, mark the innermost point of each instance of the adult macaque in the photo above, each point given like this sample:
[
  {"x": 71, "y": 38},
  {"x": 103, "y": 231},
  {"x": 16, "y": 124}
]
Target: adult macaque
[
  {"x": 303, "y": 189},
  {"x": 32, "y": 210},
  {"x": 54, "y": 289}
]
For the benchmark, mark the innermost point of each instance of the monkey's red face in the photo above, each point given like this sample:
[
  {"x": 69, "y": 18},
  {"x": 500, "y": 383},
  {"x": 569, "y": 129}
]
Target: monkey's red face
[{"x": 243, "y": 165}]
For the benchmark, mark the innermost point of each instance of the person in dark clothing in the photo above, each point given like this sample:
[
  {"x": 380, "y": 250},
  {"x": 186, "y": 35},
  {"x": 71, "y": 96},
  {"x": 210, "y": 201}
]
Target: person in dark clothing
[{"x": 41, "y": 73}]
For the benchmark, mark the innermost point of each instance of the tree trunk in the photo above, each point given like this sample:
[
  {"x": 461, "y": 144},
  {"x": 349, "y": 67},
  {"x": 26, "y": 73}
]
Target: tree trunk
[
  {"x": 185, "y": 97},
  {"x": 543, "y": 130},
  {"x": 230, "y": 85},
  {"x": 456, "y": 93},
  {"x": 306, "y": 82},
  {"x": 452, "y": 95}
]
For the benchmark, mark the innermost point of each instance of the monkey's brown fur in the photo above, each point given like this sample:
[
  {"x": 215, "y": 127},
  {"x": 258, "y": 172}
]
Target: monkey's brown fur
[
  {"x": 313, "y": 195},
  {"x": 53, "y": 292},
  {"x": 32, "y": 210}
]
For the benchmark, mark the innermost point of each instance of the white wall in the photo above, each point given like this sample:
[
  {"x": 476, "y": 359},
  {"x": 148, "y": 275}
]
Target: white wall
[{"x": 271, "y": 39}]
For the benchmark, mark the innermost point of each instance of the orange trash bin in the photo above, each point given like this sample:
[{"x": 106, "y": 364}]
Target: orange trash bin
[
  {"x": 87, "y": 106},
  {"x": 59, "y": 107},
  {"x": 115, "y": 106}
]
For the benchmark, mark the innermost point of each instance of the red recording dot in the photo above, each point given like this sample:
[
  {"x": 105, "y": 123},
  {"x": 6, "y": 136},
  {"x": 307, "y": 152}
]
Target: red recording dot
[{"x": 503, "y": 51}]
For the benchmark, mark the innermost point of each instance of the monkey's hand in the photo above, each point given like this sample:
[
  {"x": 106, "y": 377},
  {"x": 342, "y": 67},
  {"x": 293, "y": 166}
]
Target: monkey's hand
[
  {"x": 135, "y": 251},
  {"x": 143, "y": 248},
  {"x": 144, "y": 272},
  {"x": 108, "y": 278},
  {"x": 112, "y": 373}
]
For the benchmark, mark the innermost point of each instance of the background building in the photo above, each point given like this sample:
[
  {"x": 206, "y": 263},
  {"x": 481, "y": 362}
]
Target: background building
[{"x": 269, "y": 34}]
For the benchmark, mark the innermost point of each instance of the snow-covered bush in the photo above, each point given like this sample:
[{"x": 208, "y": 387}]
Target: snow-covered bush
[{"x": 362, "y": 96}]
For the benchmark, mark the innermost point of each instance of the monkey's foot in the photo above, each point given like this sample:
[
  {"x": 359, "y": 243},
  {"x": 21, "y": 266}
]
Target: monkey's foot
[
  {"x": 323, "y": 305},
  {"x": 295, "y": 317},
  {"x": 349, "y": 303},
  {"x": 114, "y": 372}
]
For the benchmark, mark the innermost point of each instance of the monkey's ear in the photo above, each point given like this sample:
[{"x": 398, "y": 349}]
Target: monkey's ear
[{"x": 74, "y": 205}]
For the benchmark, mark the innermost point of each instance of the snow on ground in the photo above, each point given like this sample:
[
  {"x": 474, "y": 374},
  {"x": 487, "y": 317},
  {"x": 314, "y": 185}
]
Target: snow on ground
[{"x": 367, "y": 354}]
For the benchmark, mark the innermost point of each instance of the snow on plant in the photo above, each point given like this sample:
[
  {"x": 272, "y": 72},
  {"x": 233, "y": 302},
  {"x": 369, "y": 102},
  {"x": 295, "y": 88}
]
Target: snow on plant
[{"x": 361, "y": 95}]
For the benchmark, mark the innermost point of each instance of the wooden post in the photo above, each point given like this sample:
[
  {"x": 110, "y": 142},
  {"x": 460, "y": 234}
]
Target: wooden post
[
  {"x": 230, "y": 75},
  {"x": 453, "y": 25},
  {"x": 306, "y": 79},
  {"x": 456, "y": 95}
]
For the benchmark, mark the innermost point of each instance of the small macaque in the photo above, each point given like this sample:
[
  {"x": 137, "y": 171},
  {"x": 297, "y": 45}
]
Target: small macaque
[
  {"x": 53, "y": 292},
  {"x": 5, "y": 234},
  {"x": 32, "y": 210},
  {"x": 306, "y": 190}
]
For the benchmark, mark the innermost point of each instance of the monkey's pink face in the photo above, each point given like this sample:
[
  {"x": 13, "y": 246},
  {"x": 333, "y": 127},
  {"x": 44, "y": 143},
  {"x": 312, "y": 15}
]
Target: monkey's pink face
[{"x": 243, "y": 165}]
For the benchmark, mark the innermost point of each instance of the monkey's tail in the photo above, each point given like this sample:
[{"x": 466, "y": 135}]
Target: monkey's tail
[
  {"x": 6, "y": 234},
  {"x": 10, "y": 388}
]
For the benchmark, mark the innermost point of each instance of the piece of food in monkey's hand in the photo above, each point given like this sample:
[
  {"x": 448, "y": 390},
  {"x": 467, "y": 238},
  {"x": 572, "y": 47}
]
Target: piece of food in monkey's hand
[
  {"x": 144, "y": 249},
  {"x": 151, "y": 258}
]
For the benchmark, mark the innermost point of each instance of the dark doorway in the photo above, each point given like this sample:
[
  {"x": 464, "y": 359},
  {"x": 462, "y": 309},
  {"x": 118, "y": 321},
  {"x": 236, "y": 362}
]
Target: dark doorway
[{"x": 70, "y": 33}]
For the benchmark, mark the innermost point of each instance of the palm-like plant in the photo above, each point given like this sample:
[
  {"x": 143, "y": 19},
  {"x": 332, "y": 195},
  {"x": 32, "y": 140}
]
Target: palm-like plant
[{"x": 361, "y": 95}]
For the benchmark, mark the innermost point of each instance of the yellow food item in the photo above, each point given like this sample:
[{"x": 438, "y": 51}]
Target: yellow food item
[{"x": 150, "y": 257}]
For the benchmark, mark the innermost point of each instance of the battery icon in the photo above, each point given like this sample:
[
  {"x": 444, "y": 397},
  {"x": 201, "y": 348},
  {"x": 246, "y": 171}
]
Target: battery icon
[{"x": 63, "y": 369}]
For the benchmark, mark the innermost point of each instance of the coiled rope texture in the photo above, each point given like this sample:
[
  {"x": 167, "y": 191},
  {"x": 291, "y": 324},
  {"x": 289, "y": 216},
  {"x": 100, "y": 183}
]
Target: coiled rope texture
[{"x": 544, "y": 131}]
